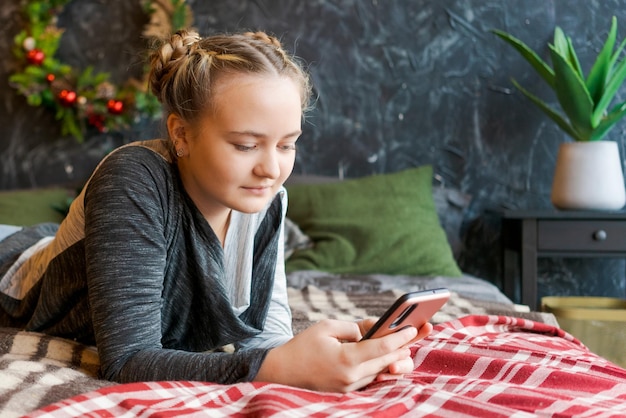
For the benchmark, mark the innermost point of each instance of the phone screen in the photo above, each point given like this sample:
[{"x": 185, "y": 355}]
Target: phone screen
[{"x": 410, "y": 309}]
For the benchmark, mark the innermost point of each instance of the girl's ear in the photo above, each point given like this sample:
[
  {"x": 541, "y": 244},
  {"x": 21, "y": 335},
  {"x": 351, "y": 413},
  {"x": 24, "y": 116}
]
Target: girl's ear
[{"x": 177, "y": 129}]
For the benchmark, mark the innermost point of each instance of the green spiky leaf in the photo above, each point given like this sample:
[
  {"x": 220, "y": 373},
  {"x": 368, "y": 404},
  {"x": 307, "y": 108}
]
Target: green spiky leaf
[
  {"x": 560, "y": 41},
  {"x": 552, "y": 114},
  {"x": 572, "y": 94},
  {"x": 616, "y": 79},
  {"x": 538, "y": 64},
  {"x": 572, "y": 59},
  {"x": 608, "y": 123},
  {"x": 601, "y": 67},
  {"x": 563, "y": 45}
]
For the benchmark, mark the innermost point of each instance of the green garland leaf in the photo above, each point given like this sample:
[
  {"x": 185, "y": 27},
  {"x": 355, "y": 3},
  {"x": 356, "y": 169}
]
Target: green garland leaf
[{"x": 41, "y": 82}]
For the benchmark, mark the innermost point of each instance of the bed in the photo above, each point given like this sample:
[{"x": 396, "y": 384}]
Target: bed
[{"x": 487, "y": 357}]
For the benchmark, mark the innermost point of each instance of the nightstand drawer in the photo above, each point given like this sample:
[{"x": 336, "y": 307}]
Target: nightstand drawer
[{"x": 576, "y": 235}]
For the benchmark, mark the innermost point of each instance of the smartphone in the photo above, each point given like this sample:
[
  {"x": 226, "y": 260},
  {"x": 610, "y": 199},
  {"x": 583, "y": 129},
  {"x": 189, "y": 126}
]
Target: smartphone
[{"x": 411, "y": 309}]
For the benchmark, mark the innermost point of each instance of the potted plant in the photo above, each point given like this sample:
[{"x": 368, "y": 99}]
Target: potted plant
[{"x": 586, "y": 116}]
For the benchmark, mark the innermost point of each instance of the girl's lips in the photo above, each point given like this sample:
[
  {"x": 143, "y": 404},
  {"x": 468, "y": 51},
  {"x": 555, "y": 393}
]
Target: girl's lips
[{"x": 258, "y": 190}]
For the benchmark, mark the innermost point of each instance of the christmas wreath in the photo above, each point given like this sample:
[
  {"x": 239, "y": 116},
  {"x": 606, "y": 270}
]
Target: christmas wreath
[{"x": 84, "y": 100}]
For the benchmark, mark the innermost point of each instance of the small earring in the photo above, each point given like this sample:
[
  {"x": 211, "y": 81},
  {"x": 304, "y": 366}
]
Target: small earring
[{"x": 179, "y": 152}]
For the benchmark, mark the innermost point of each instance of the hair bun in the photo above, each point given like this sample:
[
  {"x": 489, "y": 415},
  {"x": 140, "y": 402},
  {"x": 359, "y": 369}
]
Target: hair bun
[
  {"x": 183, "y": 42},
  {"x": 165, "y": 59}
]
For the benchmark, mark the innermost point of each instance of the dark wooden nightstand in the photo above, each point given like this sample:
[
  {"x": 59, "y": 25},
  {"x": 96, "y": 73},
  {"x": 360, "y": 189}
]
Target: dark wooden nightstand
[{"x": 528, "y": 235}]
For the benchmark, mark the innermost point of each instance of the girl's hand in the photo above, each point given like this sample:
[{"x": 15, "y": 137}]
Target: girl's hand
[
  {"x": 399, "y": 368},
  {"x": 424, "y": 331},
  {"x": 329, "y": 356}
]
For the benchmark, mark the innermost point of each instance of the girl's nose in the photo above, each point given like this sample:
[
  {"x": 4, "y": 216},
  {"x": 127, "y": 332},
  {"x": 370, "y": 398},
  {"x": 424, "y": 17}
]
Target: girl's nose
[{"x": 268, "y": 166}]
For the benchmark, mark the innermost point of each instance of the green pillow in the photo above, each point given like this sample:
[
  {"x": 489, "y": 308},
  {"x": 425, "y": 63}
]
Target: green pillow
[
  {"x": 385, "y": 224},
  {"x": 29, "y": 207}
]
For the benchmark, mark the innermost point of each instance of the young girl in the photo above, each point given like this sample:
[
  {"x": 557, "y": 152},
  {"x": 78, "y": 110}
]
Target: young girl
[{"x": 174, "y": 248}]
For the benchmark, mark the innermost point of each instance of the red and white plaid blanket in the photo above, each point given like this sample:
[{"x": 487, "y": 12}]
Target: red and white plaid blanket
[{"x": 479, "y": 366}]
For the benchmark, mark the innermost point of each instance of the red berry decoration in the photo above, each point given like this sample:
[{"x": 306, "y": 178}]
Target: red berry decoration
[
  {"x": 97, "y": 121},
  {"x": 115, "y": 107},
  {"x": 67, "y": 97},
  {"x": 50, "y": 78},
  {"x": 35, "y": 56}
]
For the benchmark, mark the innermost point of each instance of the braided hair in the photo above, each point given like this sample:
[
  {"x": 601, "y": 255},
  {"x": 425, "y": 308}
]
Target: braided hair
[{"x": 185, "y": 67}]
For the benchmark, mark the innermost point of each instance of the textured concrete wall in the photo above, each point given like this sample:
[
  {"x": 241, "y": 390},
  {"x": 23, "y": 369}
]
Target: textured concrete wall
[{"x": 399, "y": 83}]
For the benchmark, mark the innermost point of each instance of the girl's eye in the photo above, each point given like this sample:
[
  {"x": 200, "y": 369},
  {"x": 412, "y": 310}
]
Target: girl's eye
[
  {"x": 287, "y": 147},
  {"x": 239, "y": 147}
]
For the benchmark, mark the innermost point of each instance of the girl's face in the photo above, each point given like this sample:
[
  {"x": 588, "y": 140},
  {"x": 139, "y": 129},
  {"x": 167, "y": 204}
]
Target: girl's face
[{"x": 240, "y": 153}]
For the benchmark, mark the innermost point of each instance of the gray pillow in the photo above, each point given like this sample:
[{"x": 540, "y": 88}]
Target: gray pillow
[{"x": 295, "y": 239}]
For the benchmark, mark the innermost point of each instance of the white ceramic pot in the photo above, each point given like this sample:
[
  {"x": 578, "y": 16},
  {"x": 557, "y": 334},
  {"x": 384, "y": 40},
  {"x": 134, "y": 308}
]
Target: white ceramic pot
[{"x": 588, "y": 176}]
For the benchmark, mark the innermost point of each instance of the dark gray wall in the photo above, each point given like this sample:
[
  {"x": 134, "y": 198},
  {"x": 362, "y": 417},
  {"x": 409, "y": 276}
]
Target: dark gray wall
[{"x": 399, "y": 83}]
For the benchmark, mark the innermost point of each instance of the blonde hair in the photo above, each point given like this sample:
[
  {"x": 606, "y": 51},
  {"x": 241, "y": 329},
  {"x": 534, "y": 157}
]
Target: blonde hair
[{"x": 185, "y": 68}]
